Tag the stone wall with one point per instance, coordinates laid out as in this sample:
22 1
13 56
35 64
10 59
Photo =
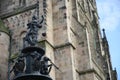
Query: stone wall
4 52
65 60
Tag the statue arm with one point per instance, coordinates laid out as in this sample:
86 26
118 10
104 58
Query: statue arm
42 19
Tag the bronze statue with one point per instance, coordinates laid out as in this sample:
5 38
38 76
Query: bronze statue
19 66
31 37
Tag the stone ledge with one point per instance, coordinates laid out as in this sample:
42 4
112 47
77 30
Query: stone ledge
85 71
94 61
63 45
88 71
59 46
46 42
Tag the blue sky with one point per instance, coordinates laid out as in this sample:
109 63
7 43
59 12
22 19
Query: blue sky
109 13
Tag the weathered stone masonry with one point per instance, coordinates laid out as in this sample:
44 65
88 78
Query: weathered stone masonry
70 35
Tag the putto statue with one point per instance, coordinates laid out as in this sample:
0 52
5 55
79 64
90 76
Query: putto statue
31 37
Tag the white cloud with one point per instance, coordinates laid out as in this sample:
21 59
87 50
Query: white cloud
109 12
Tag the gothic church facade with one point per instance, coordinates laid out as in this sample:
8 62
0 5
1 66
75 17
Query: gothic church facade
70 36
